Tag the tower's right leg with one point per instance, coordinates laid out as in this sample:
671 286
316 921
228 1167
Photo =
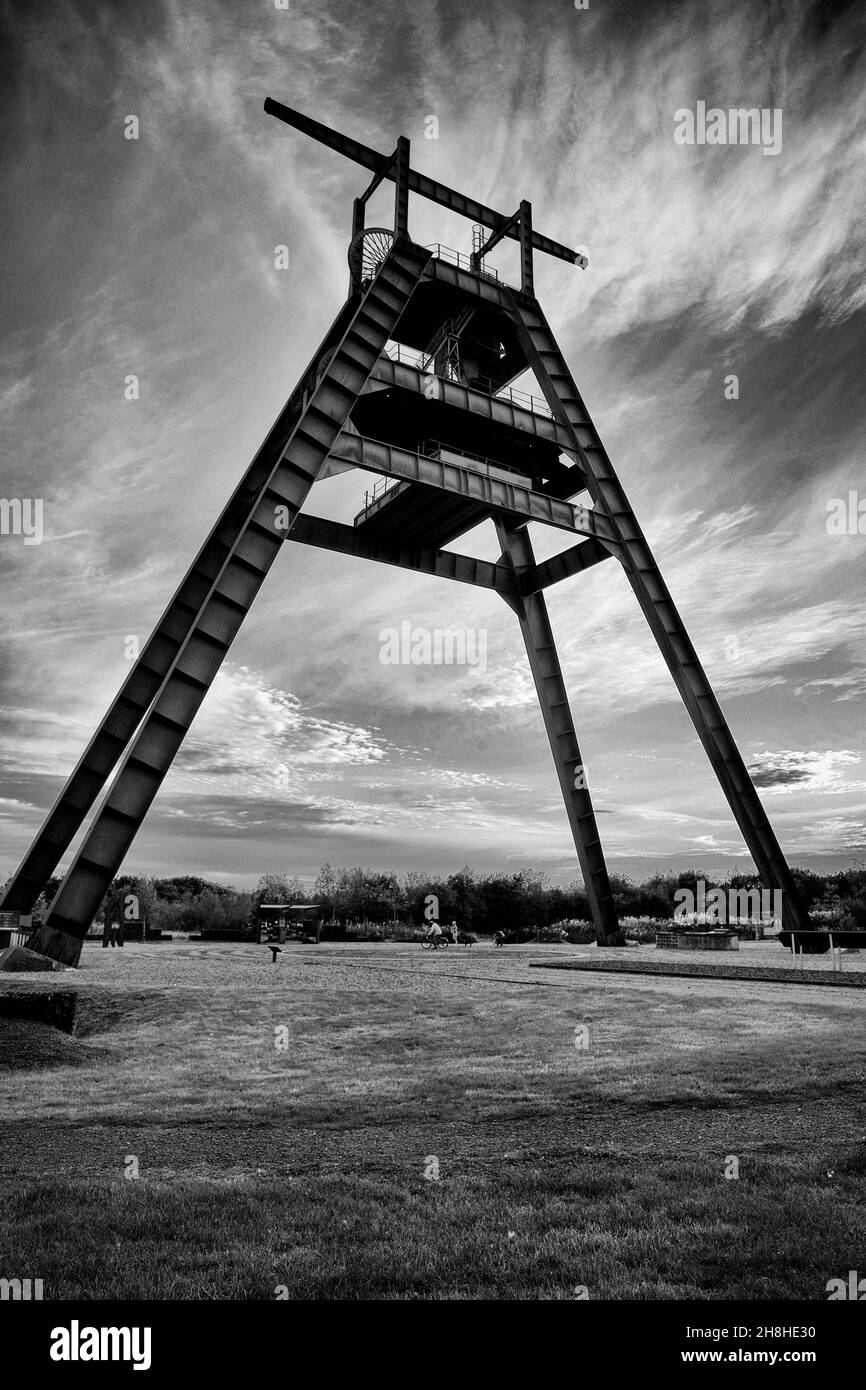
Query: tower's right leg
665 623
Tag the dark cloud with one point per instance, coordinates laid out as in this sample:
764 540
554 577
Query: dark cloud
779 777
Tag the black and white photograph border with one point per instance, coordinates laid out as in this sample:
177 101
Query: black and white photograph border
361 933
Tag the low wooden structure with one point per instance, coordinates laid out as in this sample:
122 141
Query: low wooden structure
277 921
717 939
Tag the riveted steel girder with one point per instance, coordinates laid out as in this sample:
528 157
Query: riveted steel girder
469 480
446 564
562 566
474 284
666 625
418 183
112 737
270 516
498 409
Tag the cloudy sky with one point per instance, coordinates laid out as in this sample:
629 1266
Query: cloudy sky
155 257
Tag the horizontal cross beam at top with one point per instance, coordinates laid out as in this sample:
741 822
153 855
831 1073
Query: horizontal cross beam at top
383 164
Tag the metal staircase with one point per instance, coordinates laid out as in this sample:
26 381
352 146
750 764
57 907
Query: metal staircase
240 553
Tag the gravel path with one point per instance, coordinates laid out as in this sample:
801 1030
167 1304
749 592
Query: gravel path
712 969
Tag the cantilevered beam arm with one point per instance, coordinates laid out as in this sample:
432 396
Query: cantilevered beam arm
568 562
511 224
418 183
348 540
471 480
388 166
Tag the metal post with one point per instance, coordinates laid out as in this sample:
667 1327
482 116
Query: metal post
358 222
527 275
553 699
401 193
478 239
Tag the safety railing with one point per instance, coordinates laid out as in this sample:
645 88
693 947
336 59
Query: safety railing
463 262
535 404
399 352
435 449
378 490
411 357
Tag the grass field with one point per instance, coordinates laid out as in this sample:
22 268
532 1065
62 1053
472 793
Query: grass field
288 1121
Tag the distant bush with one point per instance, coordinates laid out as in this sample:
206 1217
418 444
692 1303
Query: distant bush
405 931
365 931
385 931
555 932
577 931
644 928
839 914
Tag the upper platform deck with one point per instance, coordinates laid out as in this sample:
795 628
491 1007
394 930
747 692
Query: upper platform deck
446 377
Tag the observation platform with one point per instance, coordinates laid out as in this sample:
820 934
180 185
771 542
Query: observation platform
444 390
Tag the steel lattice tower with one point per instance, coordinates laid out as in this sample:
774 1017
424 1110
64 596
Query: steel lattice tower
434 415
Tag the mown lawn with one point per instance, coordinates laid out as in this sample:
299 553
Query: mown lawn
310 1170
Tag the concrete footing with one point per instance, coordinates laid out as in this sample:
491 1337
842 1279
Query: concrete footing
57 945
17 958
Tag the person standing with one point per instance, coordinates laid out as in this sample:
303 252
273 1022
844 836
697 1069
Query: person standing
454 932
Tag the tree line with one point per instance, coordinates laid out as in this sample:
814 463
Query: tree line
477 902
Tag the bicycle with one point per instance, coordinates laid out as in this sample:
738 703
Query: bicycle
434 943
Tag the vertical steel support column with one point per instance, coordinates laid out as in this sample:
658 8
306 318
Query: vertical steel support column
401 189
359 217
527 273
553 699
544 357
